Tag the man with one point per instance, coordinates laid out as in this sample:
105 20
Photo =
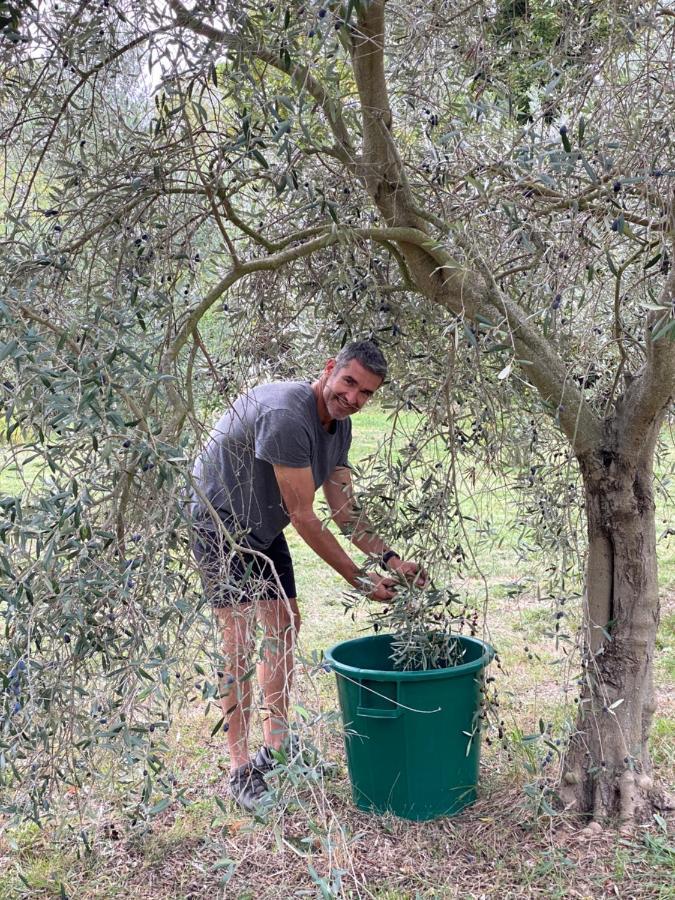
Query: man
258 472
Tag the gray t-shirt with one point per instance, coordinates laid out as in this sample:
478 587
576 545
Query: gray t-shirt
274 424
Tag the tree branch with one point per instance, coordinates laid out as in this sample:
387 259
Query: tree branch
650 394
61 333
381 164
300 75
542 366
275 261
255 265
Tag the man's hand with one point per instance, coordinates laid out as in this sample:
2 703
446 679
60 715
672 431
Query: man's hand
383 588
409 570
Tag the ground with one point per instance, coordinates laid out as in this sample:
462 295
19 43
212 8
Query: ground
497 848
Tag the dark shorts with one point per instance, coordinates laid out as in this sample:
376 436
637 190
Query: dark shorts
229 578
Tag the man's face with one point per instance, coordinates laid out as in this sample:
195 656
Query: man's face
348 389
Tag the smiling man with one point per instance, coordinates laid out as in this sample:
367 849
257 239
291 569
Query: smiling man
258 473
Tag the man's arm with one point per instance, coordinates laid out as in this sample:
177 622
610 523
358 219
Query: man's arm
339 493
297 492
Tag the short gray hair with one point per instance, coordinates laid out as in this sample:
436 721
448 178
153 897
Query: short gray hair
365 352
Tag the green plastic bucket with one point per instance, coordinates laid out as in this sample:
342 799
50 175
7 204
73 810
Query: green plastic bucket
412 738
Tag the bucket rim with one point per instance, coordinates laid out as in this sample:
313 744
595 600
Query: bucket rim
486 657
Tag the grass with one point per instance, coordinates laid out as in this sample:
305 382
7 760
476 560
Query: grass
318 844
492 850
15 477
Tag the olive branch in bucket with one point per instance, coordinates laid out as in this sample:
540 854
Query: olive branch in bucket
422 620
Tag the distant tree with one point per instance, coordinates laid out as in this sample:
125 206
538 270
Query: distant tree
485 188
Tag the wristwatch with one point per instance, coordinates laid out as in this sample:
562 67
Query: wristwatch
390 554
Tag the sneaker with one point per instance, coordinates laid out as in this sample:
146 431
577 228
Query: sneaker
266 760
248 787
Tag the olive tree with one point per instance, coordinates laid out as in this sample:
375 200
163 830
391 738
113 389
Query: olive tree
484 187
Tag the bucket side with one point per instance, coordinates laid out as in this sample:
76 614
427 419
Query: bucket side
442 749
413 748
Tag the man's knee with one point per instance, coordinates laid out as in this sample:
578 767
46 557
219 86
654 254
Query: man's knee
282 618
290 624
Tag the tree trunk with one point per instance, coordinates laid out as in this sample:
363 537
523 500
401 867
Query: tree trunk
608 771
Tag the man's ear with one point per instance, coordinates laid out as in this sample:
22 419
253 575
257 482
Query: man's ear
329 367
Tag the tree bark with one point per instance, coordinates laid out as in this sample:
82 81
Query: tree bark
608 770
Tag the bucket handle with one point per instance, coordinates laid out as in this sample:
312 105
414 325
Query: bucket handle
378 712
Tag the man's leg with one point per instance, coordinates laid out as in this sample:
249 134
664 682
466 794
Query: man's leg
281 623
237 627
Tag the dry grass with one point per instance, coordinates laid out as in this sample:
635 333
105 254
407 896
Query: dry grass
494 849
497 848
